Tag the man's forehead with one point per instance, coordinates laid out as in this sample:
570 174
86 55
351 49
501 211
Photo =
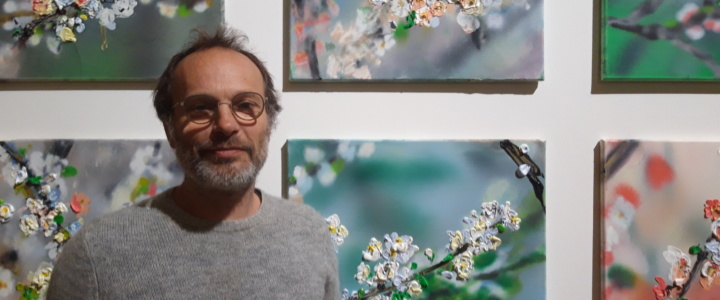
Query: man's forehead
216 61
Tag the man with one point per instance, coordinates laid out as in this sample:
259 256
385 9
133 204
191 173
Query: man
215 236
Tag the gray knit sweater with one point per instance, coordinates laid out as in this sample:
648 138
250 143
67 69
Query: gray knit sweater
154 250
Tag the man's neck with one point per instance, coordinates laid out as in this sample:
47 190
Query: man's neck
216 205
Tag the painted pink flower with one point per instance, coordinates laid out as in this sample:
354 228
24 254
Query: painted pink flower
712 209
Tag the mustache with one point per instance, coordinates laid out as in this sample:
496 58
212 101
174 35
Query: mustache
230 143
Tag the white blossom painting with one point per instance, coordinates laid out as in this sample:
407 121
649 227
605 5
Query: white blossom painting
103 40
406 40
50 188
429 219
660 220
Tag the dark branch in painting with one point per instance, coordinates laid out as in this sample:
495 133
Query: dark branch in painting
672 31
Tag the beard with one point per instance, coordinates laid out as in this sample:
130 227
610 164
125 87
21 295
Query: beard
219 173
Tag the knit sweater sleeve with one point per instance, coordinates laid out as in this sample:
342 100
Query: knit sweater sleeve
74 276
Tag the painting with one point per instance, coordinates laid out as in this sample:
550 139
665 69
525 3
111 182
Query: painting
50 188
415 40
86 40
429 219
660 220
660 40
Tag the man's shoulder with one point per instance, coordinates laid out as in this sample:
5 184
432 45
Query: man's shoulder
127 219
293 211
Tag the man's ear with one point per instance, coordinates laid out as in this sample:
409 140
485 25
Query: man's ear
169 133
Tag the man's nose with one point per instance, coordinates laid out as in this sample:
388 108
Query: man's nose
225 120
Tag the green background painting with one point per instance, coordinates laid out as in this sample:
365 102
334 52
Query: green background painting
423 189
138 49
629 56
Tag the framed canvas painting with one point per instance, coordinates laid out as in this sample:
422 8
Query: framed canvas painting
429 219
660 220
87 40
660 40
50 188
405 40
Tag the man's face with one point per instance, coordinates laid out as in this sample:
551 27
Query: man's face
227 153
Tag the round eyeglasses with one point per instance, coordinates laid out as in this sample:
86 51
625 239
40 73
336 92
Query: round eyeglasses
201 109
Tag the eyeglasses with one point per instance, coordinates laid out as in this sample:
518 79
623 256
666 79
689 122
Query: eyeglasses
201 109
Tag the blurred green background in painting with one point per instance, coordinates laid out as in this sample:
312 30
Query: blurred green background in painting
628 56
138 49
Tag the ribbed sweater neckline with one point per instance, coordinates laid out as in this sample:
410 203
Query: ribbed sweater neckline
166 205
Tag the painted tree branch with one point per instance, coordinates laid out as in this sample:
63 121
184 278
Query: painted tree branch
655 32
428 270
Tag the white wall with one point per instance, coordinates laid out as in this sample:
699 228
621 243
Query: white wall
561 111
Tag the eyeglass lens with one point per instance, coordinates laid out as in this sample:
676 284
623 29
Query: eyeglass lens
202 108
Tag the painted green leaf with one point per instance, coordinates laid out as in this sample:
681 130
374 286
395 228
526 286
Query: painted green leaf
69 171
338 165
292 180
59 219
183 10
448 258
621 276
671 23
35 180
485 259
511 284
423 282
361 293
413 266
22 151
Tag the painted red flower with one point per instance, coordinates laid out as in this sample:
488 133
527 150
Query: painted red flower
660 289
712 209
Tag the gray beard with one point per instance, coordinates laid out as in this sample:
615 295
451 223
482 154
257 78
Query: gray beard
217 174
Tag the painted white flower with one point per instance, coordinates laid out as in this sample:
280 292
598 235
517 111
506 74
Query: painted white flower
363 271
6 212
338 232
106 18
399 248
373 252
463 266
680 265
60 208
468 23
347 151
622 212
7 282
509 217
35 206
303 181
20 175
414 288
456 240
384 272
29 224
167 10
714 248
377 2
399 280
201 7
326 175
314 155
400 8
366 150
429 254
715 228
41 277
